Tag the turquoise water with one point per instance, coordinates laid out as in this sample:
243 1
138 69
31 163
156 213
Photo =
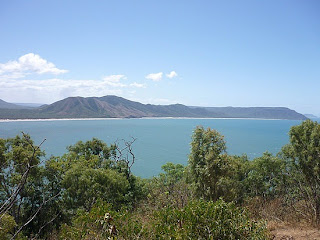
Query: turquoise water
158 140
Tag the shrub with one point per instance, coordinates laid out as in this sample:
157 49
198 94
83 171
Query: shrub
102 222
207 220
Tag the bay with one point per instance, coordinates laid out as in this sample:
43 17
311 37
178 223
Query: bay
158 140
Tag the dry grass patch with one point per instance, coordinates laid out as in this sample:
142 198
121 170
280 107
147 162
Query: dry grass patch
285 231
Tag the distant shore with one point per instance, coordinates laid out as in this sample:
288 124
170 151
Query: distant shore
86 119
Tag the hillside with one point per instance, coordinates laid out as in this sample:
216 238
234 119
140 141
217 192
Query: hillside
117 107
257 112
310 115
7 105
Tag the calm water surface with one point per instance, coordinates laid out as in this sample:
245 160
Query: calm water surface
158 140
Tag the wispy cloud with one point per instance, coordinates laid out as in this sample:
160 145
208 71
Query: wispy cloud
138 85
50 90
27 64
172 74
114 80
155 76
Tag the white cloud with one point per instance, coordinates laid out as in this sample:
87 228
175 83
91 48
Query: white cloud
114 80
27 64
138 85
155 76
172 74
15 88
50 90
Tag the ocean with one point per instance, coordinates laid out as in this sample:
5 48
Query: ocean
157 140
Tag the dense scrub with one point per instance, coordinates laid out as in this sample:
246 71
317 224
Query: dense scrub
91 193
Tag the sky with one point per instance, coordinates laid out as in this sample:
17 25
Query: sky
199 53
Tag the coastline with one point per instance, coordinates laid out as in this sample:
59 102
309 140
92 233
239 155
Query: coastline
159 118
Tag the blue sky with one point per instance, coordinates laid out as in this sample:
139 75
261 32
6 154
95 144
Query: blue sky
205 53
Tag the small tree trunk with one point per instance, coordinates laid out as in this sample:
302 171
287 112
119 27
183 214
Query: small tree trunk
317 212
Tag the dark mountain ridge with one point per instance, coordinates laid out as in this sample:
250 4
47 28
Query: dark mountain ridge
118 107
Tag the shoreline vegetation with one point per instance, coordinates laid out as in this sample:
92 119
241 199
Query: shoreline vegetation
91 193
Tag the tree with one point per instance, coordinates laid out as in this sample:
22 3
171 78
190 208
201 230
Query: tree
173 173
304 153
208 162
94 148
93 170
23 191
19 162
265 176
84 186
169 188
214 173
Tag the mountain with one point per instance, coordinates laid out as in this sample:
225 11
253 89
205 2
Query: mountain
30 105
7 105
257 112
117 107
310 115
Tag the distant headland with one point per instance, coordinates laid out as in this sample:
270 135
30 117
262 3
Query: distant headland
118 107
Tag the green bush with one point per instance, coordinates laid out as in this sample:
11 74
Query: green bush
102 222
207 220
266 177
7 225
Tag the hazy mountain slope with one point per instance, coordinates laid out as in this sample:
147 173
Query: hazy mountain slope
308 115
30 105
257 112
7 105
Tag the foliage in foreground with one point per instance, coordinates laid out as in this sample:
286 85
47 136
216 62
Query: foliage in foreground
207 220
199 219
303 154
91 193
103 222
